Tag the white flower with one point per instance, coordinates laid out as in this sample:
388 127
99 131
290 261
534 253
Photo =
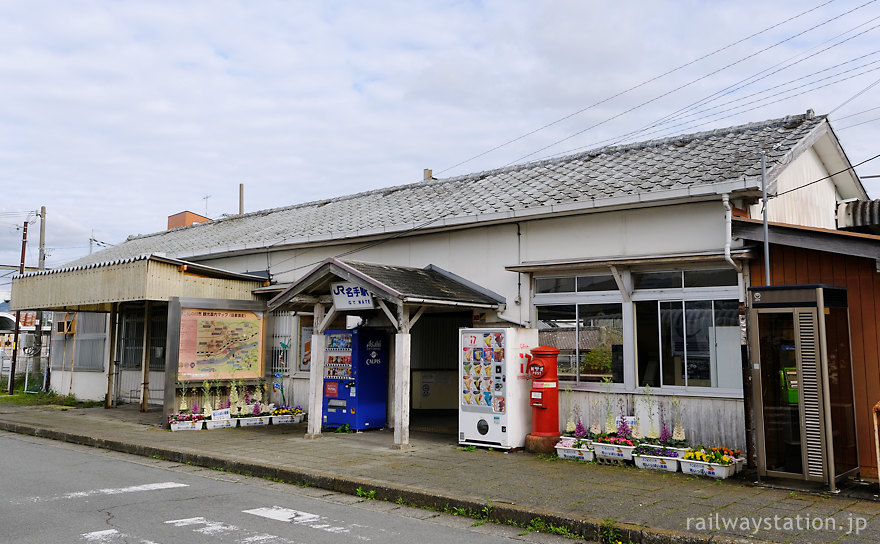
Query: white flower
637 431
595 428
678 433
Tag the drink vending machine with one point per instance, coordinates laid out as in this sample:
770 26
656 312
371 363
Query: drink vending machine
494 383
355 378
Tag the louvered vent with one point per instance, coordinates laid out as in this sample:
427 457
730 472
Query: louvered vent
810 391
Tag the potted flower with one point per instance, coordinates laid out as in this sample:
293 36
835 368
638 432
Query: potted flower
656 458
254 416
185 421
708 463
287 414
220 419
574 448
617 446
737 455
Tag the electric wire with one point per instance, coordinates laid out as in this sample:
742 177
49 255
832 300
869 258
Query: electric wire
644 130
858 124
852 167
688 84
637 86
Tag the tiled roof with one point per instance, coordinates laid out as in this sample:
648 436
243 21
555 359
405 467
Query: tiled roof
652 170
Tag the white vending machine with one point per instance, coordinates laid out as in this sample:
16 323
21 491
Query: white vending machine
494 382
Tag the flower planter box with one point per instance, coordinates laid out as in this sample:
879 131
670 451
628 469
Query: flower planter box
578 454
740 463
281 420
614 452
220 423
186 426
703 468
253 421
656 463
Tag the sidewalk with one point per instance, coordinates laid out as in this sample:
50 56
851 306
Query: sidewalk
646 506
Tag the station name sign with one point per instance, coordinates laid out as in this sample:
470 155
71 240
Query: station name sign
348 296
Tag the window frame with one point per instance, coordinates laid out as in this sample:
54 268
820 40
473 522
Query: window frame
630 360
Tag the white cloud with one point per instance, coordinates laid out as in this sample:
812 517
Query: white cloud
117 114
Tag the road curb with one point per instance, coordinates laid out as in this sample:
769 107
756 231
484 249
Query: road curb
501 513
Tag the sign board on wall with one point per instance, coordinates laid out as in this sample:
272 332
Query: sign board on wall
348 296
220 345
305 349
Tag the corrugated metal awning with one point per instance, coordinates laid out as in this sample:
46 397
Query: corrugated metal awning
95 287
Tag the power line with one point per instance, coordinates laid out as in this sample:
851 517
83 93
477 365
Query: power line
777 195
859 124
634 87
688 84
853 97
857 113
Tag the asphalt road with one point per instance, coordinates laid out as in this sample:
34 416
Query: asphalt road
52 492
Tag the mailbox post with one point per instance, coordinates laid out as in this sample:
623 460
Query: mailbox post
544 399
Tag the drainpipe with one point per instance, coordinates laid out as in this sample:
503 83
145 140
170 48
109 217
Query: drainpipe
728 231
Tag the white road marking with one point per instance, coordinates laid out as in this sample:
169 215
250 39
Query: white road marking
208 527
110 535
284 514
308 519
107 491
100 536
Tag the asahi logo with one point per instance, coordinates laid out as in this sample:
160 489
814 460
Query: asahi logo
374 344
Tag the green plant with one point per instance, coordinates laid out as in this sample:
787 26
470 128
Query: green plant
400 500
364 494
343 429
468 448
608 532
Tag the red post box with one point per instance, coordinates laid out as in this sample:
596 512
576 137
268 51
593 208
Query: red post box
544 394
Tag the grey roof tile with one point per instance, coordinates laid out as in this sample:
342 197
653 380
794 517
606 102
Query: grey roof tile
663 166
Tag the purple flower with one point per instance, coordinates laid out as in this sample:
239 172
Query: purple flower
195 408
579 430
257 409
665 433
623 430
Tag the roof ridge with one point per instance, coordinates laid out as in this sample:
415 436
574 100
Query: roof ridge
786 121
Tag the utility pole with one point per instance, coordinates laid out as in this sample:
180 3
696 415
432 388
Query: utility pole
38 356
17 314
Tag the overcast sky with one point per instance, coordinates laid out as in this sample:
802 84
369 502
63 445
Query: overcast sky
115 115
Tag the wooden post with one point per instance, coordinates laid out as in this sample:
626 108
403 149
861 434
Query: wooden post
316 375
111 365
145 357
402 344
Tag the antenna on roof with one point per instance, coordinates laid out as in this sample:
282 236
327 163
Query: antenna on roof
205 198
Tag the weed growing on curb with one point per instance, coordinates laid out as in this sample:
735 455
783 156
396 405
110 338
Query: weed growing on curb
607 532
364 494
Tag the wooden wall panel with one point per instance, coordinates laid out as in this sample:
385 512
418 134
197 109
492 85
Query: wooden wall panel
791 266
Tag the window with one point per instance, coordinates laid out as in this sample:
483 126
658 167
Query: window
279 357
554 285
90 338
596 283
589 338
688 343
680 330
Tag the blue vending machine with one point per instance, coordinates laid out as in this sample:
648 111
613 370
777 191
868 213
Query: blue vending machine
356 378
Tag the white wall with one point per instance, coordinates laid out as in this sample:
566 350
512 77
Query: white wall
85 386
811 206
480 254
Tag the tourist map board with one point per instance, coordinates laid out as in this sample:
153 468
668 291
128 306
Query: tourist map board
220 345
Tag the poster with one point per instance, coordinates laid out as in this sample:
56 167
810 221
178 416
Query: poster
220 345
305 349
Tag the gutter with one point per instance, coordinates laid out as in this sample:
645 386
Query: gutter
728 232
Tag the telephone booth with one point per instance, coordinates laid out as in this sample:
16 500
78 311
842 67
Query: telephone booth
803 383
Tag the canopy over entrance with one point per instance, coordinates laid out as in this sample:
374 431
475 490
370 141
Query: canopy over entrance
96 287
403 294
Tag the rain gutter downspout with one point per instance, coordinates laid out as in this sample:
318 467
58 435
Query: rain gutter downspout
728 232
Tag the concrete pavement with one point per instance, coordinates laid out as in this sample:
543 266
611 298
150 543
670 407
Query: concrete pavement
643 506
